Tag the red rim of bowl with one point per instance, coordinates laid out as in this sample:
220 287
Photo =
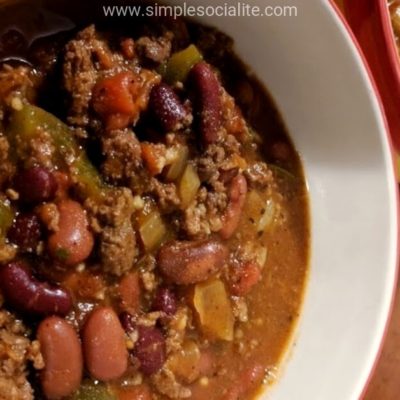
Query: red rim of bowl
390 138
371 23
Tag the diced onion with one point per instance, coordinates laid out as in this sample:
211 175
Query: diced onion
188 186
152 230
268 216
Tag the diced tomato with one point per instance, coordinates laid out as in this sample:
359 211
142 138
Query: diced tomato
113 99
85 285
245 278
140 392
112 95
153 157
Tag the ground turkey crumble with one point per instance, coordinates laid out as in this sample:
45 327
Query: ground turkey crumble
16 350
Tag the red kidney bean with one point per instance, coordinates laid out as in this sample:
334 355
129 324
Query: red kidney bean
237 199
24 292
129 292
73 242
128 322
150 349
208 101
248 380
185 263
104 345
167 107
165 301
62 355
26 232
35 185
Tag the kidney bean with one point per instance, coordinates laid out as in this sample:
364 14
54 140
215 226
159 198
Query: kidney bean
26 232
104 345
150 349
35 185
129 292
62 355
208 101
73 242
167 107
24 292
185 263
237 199
249 379
165 301
128 322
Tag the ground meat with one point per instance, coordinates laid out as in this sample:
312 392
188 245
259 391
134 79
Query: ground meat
112 221
176 330
39 150
123 155
218 158
7 169
118 248
85 58
258 175
233 120
166 195
16 350
204 216
156 50
116 209
17 83
165 382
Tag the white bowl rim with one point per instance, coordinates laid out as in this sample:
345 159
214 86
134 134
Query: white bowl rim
374 86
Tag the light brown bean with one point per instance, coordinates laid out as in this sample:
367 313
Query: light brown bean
73 242
237 199
104 346
129 292
62 354
185 263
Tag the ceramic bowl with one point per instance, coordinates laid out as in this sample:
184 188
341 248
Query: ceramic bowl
371 23
316 74
314 70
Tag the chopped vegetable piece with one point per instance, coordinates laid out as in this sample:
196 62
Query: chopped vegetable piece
6 218
27 123
214 309
261 256
188 186
152 230
254 206
267 216
177 168
154 157
185 362
180 64
90 391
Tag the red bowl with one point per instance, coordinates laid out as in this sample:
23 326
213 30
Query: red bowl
371 24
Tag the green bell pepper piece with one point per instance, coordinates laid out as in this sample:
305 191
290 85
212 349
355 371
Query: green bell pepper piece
6 219
89 391
179 65
27 123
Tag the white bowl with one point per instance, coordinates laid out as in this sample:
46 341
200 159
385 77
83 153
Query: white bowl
318 79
